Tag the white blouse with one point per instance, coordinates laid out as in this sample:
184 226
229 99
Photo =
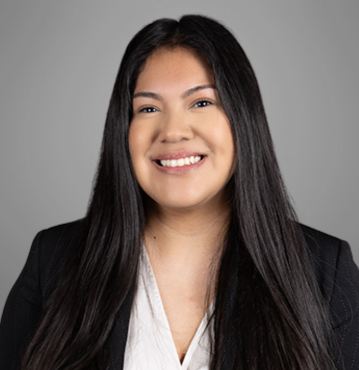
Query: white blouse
149 342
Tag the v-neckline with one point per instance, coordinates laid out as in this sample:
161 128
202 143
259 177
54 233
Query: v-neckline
160 313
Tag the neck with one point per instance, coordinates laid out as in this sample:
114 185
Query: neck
183 237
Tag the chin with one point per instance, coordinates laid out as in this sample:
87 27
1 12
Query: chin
185 203
179 204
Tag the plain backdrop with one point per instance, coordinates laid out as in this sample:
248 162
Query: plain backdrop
58 64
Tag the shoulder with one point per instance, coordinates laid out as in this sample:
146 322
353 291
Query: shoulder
336 273
60 233
27 299
332 261
324 251
338 280
56 240
50 249
321 245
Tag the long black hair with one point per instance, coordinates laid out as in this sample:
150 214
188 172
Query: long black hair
268 309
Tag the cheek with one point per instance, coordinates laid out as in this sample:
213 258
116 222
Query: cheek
222 138
139 140
142 134
229 146
225 148
136 143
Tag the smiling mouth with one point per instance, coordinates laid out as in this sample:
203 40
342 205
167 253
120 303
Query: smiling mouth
180 162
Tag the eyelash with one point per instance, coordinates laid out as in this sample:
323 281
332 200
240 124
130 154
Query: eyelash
207 103
198 104
148 110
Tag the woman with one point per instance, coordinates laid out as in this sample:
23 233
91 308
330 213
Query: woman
190 255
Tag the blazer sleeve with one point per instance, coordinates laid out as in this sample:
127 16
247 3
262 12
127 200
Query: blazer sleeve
22 311
344 307
26 302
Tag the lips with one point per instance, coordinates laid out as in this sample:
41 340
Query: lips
186 161
178 159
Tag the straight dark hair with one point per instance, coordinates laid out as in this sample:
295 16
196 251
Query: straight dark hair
268 309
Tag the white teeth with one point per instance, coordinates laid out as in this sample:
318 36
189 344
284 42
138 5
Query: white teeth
181 161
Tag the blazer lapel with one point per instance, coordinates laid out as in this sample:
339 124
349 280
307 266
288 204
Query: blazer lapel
118 336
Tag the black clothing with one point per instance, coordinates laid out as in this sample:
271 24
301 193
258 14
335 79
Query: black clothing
336 273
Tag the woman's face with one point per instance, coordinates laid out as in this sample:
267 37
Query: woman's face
180 139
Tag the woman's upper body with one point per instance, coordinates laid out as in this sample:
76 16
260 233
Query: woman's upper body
178 118
336 274
188 169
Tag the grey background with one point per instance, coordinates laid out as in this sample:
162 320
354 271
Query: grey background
58 64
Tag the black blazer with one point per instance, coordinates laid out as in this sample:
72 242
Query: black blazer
336 273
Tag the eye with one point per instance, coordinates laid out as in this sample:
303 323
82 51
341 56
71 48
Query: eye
148 110
202 103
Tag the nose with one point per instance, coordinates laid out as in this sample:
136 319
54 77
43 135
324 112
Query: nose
175 127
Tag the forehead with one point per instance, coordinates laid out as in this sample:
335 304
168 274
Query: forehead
178 67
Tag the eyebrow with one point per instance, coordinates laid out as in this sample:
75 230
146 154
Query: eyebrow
146 94
197 88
